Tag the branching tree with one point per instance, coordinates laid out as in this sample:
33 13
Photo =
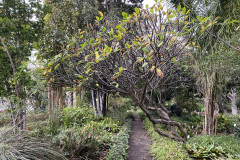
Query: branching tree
138 56
18 33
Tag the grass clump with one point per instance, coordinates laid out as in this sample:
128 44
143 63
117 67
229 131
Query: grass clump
23 147
164 148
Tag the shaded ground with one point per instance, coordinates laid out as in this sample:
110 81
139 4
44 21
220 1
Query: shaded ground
139 142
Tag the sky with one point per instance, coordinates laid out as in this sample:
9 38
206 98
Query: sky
152 2
149 2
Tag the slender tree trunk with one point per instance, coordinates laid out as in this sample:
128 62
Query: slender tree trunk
16 84
98 103
232 97
94 102
104 104
107 101
49 101
70 100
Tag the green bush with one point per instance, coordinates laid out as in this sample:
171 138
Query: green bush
213 147
76 115
162 147
76 142
225 123
141 115
191 122
120 145
129 114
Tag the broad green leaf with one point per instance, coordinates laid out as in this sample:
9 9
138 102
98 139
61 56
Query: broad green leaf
104 29
145 49
56 67
98 19
184 10
170 16
137 10
91 40
199 19
80 76
120 69
178 8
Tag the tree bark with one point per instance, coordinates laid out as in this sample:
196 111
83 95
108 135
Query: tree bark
94 102
209 126
232 97
49 101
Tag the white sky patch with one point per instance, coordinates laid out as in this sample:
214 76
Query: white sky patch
165 3
149 2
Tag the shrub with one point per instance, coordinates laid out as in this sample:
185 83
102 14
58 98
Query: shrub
162 147
141 115
76 115
213 147
225 123
129 114
76 142
120 145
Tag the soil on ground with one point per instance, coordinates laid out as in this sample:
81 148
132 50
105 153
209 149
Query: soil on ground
139 142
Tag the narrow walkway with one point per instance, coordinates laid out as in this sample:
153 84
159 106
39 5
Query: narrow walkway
139 142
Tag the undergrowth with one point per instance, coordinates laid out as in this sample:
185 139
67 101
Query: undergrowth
164 148
213 147
120 145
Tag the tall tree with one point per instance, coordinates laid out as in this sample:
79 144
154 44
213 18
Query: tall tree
138 56
215 60
20 28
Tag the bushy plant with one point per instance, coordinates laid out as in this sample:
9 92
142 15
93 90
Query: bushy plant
141 115
213 147
76 115
162 147
76 142
225 123
129 114
120 145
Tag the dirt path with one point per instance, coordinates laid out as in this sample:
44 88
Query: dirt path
139 142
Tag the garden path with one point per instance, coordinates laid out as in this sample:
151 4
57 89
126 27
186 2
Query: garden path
139 142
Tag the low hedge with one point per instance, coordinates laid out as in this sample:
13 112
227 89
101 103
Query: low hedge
118 149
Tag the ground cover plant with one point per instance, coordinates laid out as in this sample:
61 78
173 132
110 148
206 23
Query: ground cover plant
213 147
164 148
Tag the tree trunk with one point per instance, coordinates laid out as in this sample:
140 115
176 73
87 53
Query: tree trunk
94 102
232 97
104 104
210 116
16 84
98 103
209 126
49 101
70 98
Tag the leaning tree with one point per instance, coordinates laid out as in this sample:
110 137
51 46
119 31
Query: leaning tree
139 56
